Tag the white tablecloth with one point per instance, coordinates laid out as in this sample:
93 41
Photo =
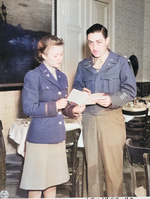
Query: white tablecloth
127 118
18 132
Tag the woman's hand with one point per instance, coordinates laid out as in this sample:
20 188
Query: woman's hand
105 100
61 103
78 110
86 90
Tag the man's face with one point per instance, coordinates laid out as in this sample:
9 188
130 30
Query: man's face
97 44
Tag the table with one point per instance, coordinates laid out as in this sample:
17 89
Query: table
138 106
18 132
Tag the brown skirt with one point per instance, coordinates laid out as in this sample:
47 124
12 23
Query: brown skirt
45 166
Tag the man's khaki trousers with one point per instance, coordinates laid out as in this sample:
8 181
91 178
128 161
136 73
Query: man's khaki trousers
104 139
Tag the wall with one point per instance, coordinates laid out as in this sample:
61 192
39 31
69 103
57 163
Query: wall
129 29
146 45
11 108
32 15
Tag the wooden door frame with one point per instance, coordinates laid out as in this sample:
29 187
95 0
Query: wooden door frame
111 32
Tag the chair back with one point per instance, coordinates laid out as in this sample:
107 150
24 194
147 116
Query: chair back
135 153
2 159
136 128
135 156
146 158
136 113
2 143
72 138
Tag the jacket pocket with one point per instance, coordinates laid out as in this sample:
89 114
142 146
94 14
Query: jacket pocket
89 82
46 87
110 82
47 93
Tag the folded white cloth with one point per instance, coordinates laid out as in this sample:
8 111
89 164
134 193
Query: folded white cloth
140 191
127 118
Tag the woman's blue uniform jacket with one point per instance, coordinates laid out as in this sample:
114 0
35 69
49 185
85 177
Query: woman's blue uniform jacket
114 78
40 93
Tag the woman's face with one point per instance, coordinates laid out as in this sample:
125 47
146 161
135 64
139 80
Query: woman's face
53 56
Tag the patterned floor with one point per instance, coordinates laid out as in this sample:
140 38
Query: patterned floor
16 192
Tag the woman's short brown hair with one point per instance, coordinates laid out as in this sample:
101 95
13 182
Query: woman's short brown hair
44 43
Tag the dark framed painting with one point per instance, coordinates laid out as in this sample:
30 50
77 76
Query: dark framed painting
22 24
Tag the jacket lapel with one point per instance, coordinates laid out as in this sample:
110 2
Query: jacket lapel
59 78
110 62
47 74
89 65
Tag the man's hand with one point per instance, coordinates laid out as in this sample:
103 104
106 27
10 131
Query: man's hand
105 100
86 90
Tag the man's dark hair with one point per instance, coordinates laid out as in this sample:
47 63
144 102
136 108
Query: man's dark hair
97 28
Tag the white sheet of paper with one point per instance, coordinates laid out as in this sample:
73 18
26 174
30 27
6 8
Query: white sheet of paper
91 99
80 97
77 96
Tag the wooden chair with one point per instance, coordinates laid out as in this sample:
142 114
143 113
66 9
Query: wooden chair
135 157
11 165
72 185
136 129
146 158
2 160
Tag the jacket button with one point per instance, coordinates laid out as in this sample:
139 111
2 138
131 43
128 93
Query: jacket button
59 112
47 87
59 93
60 122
